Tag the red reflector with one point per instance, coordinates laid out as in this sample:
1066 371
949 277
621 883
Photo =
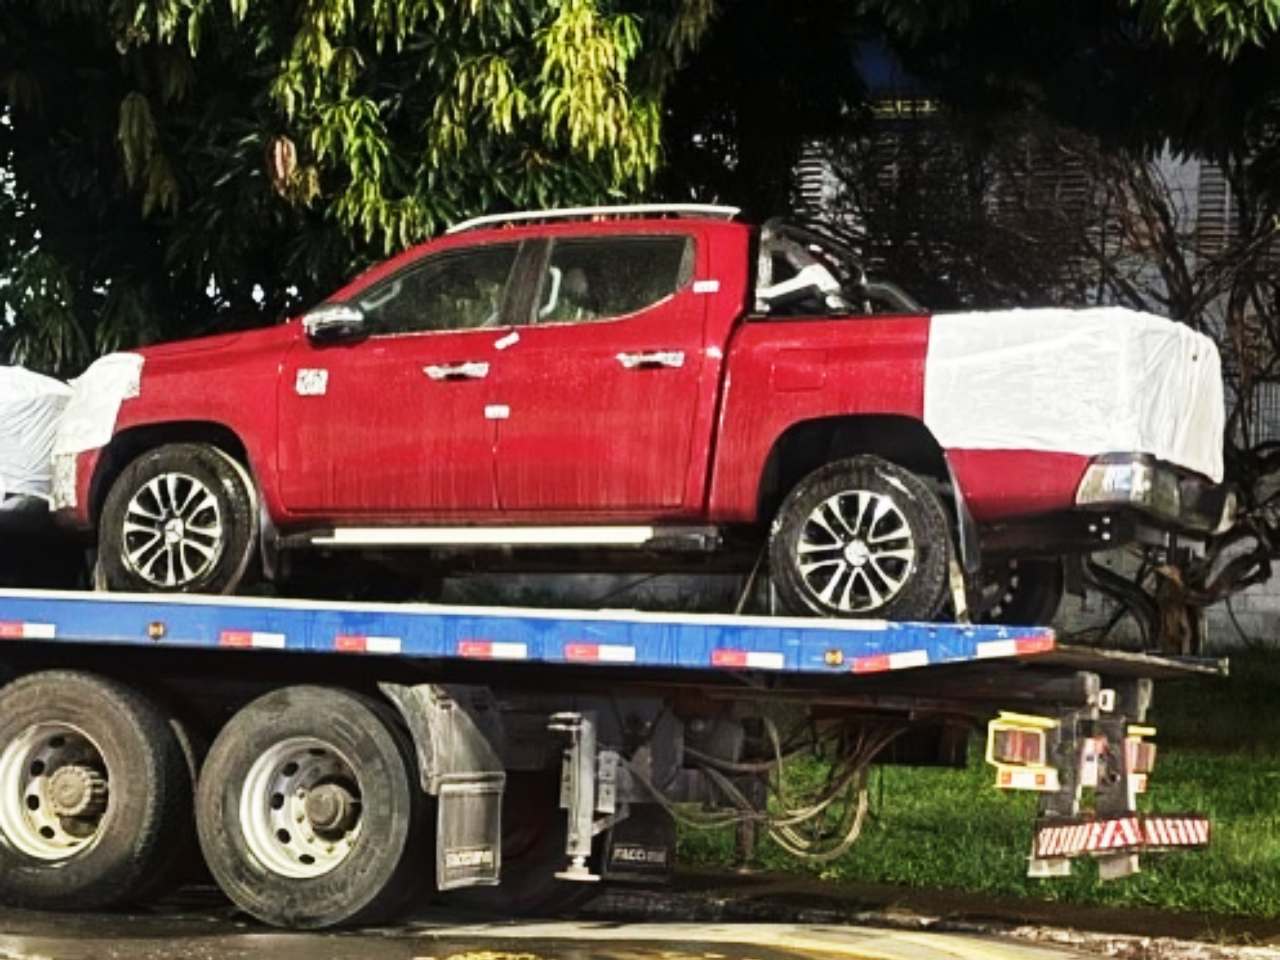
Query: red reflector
480 649
1141 756
235 638
582 651
1018 746
10 631
1033 644
348 643
728 658
873 664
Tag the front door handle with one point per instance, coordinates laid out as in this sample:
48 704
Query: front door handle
471 370
656 358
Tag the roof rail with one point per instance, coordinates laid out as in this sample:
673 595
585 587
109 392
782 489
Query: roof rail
587 213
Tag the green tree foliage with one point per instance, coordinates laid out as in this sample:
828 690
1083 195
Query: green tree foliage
172 167
182 165
1220 27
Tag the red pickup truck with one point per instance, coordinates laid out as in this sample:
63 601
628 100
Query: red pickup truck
661 386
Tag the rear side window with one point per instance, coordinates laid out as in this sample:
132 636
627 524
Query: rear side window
602 277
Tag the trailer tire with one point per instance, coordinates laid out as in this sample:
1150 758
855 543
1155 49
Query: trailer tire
183 491
1022 591
125 766
878 541
261 776
533 842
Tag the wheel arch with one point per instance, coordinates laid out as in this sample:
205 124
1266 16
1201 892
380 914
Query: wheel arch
129 444
904 440
809 444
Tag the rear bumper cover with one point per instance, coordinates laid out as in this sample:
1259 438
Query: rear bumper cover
1169 496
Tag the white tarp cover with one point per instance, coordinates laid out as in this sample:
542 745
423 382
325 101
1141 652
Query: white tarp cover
30 406
90 418
1089 381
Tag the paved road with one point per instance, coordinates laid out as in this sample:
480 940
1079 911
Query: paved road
186 933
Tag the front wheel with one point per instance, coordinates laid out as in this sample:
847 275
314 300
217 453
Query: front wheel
861 537
179 519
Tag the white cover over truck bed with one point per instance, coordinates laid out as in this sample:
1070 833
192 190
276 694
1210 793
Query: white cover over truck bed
1092 381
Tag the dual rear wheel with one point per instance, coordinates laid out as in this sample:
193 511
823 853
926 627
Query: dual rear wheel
308 808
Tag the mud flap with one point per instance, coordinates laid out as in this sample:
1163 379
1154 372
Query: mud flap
642 848
469 832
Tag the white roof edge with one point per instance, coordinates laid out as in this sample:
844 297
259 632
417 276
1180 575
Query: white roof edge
568 213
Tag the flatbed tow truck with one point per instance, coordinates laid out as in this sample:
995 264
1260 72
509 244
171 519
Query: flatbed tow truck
336 762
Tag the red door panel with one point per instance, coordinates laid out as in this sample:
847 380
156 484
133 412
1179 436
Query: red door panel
603 414
385 438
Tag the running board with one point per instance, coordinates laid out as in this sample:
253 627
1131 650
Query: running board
633 537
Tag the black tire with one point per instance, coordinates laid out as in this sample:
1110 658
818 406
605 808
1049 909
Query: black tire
136 561
390 857
916 513
1021 591
533 840
143 837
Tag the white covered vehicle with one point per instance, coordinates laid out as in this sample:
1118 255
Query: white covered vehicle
31 406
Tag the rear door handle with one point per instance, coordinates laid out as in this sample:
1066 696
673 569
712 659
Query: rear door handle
471 370
656 358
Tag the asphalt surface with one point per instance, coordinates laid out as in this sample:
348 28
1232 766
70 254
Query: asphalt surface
199 932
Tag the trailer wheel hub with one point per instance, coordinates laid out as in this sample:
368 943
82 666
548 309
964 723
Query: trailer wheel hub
53 791
76 791
300 808
331 808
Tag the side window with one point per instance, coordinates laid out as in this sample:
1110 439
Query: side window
456 290
603 277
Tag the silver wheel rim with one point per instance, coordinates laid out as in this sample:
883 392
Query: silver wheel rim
855 552
54 791
173 532
278 808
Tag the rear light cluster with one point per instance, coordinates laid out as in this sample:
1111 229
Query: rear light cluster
1017 746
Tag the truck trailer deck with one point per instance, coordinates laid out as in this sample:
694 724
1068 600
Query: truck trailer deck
337 760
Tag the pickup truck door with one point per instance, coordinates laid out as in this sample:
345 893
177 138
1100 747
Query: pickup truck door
393 425
604 396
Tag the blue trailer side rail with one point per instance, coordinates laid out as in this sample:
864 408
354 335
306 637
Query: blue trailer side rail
616 638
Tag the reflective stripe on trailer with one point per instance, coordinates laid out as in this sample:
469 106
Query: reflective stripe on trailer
1015 646
1109 835
878 663
252 638
748 659
15 630
356 643
490 650
599 653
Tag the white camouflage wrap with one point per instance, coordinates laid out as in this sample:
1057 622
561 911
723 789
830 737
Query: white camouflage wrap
1092 381
89 420
30 406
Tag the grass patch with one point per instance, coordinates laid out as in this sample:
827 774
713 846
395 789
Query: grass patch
1220 754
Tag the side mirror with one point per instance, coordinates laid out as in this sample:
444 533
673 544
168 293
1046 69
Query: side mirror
333 321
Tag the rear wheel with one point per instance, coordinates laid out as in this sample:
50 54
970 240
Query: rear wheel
861 537
179 519
95 794
1021 591
310 813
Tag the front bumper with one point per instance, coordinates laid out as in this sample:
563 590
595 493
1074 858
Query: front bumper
1172 497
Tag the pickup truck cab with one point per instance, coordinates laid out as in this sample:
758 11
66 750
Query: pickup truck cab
658 386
